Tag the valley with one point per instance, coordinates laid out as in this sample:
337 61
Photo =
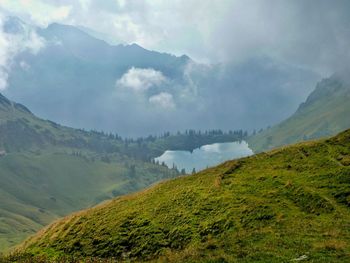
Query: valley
48 170
261 208
174 131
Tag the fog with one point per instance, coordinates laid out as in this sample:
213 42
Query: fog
250 65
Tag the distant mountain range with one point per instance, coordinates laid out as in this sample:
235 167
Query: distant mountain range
71 77
279 206
325 112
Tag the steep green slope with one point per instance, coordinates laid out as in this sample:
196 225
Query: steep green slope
48 171
325 113
35 189
279 206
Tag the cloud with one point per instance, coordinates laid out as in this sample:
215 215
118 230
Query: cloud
299 32
39 12
15 37
4 57
24 65
3 79
33 42
265 51
139 80
305 33
164 100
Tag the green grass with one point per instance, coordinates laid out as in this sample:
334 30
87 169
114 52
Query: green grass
271 207
325 113
37 189
50 170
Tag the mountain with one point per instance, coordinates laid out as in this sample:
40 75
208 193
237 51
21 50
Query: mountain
48 171
71 77
325 112
289 204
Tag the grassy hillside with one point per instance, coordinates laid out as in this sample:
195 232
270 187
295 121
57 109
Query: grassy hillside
325 112
48 171
37 188
281 206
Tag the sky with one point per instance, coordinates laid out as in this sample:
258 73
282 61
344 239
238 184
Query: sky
258 60
312 34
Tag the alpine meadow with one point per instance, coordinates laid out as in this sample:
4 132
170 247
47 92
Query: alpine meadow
174 131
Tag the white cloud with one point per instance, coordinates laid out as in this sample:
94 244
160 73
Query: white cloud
12 44
4 56
39 12
3 79
24 65
164 100
138 79
179 27
299 32
296 32
33 42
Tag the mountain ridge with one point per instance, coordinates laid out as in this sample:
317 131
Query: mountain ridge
324 113
72 78
49 170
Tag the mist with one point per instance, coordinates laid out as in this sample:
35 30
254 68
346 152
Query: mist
247 65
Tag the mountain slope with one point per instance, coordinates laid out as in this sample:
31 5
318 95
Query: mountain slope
279 206
48 171
74 79
325 112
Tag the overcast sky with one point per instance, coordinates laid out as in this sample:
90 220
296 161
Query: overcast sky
310 33
270 54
